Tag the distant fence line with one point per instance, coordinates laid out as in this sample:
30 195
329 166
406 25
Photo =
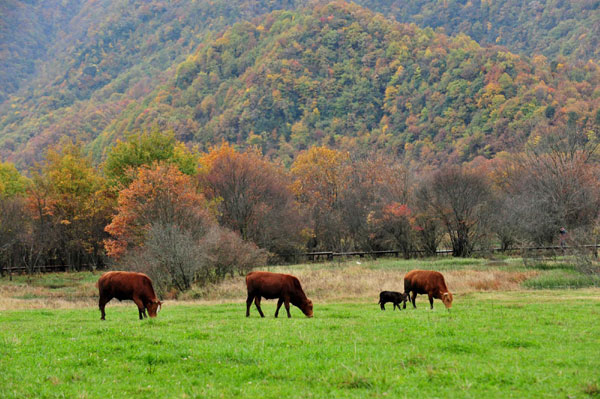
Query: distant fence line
43 269
329 255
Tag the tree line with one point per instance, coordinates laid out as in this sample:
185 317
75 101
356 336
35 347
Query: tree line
188 217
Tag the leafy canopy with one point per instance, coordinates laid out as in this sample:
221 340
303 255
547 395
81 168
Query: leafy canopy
145 149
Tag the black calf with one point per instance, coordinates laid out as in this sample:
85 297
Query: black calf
392 296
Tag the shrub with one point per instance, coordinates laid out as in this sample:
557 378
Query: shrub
170 256
175 260
227 253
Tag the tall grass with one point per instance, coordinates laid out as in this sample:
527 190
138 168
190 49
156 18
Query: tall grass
561 279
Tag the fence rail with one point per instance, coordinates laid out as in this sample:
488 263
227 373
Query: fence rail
42 269
329 255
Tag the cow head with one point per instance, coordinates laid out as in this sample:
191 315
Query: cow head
405 297
447 299
153 308
307 308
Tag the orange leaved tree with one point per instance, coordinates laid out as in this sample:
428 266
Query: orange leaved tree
160 194
320 177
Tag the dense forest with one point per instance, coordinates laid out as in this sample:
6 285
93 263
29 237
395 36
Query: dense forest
192 217
548 27
76 76
342 76
338 75
195 139
27 30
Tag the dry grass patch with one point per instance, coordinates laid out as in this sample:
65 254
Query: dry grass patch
43 303
47 291
332 282
582 295
356 282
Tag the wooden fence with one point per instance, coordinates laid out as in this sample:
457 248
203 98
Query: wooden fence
552 250
330 255
42 269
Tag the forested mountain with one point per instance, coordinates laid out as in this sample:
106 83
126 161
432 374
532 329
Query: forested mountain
97 56
549 27
27 29
342 76
337 75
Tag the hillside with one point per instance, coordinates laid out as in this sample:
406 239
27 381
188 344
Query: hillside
27 30
73 73
337 75
553 28
343 76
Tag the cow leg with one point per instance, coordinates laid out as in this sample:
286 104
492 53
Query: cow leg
382 305
101 304
287 306
279 303
396 305
431 300
257 303
248 304
140 305
414 296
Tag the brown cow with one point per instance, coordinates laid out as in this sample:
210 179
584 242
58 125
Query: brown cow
128 285
285 287
427 282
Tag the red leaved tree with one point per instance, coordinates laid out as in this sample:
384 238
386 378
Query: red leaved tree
161 195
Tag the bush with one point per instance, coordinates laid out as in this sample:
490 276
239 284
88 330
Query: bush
170 256
227 253
175 260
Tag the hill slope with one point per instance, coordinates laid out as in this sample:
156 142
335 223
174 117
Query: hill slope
338 75
341 75
27 30
100 56
549 27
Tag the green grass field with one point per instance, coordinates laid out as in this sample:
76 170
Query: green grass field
529 344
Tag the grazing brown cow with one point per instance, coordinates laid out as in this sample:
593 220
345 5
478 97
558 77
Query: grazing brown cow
128 285
427 282
285 287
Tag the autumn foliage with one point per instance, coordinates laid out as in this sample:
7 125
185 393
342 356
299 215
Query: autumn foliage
160 194
237 209
253 197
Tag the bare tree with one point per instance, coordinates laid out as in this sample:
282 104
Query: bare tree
254 199
553 184
175 259
170 256
13 230
457 197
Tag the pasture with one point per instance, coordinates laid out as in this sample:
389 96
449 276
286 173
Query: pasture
498 341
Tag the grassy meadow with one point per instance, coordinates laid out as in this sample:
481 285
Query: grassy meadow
502 339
